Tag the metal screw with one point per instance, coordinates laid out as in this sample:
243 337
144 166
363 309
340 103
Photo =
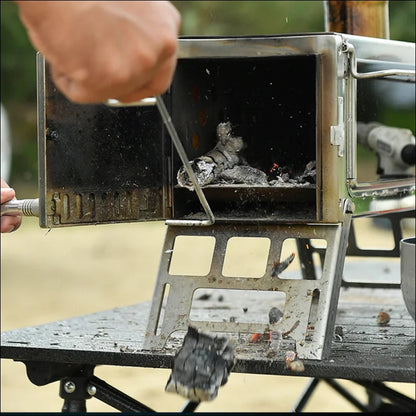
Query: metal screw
91 390
69 387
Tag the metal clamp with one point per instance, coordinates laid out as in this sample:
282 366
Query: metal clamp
182 154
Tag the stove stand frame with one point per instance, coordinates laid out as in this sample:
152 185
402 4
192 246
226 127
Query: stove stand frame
301 295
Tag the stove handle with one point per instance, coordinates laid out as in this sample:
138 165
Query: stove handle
349 49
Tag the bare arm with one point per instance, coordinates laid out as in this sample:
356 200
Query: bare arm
105 49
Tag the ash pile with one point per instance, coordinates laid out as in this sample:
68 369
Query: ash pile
226 165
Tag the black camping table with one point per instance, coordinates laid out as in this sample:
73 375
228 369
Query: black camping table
363 350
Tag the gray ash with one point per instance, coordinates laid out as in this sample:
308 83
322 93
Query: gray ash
284 175
225 165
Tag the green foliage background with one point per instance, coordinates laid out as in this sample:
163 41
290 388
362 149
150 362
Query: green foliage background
209 18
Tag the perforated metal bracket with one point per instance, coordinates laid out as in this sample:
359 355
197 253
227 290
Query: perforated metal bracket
307 301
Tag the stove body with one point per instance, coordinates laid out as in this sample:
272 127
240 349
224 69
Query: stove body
294 100
291 99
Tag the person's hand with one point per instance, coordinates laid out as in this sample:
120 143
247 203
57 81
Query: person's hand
9 223
105 49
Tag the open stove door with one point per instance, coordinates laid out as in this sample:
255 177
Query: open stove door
99 164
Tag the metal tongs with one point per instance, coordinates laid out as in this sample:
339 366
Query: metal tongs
30 207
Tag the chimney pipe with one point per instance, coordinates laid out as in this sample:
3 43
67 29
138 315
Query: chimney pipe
363 18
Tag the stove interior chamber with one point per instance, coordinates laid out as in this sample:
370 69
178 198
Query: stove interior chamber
271 102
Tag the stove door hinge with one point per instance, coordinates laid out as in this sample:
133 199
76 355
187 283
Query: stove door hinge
337 132
56 208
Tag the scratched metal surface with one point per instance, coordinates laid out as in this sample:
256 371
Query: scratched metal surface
366 351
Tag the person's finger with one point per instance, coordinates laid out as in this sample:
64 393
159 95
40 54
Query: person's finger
158 85
74 90
10 223
7 194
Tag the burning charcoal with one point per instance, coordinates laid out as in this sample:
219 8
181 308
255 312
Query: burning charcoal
383 318
260 337
283 175
292 362
290 356
201 366
275 314
297 366
279 267
225 155
255 337
280 174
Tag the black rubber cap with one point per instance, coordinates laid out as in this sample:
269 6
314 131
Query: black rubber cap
408 154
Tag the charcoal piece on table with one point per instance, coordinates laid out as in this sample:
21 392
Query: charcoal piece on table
275 314
201 366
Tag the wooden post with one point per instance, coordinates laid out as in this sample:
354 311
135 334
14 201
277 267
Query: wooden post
363 18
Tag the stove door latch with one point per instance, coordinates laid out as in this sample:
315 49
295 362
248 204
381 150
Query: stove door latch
337 132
